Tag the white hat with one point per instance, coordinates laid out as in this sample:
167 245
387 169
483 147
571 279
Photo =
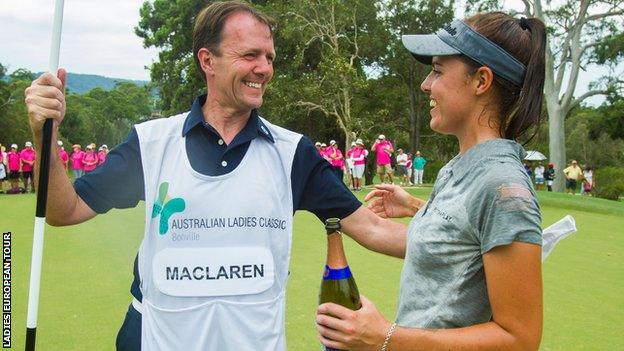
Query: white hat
323 145
353 143
28 144
90 147
104 146
332 142
359 142
60 143
381 136
13 146
318 143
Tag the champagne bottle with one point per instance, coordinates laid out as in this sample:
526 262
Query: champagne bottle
338 285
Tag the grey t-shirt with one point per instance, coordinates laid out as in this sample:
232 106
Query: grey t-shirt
480 200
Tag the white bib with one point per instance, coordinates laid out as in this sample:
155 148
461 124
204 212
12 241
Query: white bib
214 259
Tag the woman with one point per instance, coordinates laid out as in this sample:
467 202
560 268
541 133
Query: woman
472 273
89 160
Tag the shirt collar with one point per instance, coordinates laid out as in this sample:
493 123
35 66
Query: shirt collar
492 149
252 129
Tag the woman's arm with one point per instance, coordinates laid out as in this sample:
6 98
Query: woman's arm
514 283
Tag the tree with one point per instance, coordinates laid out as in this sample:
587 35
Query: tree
168 26
332 42
413 17
580 33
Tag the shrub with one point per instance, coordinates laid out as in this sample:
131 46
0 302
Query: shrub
609 183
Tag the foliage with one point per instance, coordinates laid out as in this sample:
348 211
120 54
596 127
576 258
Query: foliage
609 183
168 26
100 116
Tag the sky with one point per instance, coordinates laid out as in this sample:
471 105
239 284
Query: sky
98 38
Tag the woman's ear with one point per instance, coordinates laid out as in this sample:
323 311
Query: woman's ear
484 78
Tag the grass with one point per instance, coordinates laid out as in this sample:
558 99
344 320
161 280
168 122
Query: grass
87 274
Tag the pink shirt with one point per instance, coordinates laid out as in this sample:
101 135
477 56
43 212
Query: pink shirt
336 157
14 161
27 156
325 154
383 157
64 157
359 156
101 157
77 159
89 161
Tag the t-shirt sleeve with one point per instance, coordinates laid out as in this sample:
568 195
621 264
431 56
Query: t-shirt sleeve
315 186
118 182
508 211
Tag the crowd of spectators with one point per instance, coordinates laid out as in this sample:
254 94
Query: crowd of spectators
16 166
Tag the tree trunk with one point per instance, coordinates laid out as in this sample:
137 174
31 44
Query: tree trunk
556 134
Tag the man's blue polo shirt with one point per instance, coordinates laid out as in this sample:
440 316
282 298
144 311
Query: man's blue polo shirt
118 183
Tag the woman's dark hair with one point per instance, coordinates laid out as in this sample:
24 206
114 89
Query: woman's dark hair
525 39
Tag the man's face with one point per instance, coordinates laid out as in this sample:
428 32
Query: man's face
244 67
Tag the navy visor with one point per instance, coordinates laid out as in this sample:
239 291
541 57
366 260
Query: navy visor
458 38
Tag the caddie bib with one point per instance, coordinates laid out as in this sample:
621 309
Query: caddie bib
214 258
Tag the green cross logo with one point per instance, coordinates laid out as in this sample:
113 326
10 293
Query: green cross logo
165 207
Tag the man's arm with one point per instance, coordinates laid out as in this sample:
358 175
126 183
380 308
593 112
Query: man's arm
376 233
45 98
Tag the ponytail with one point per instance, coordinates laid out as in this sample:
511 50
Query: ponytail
527 110
525 39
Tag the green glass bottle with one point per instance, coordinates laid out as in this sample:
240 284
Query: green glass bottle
338 285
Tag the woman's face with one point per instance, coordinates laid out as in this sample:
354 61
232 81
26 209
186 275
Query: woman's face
452 100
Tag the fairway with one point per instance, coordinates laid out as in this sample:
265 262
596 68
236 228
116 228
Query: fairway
87 271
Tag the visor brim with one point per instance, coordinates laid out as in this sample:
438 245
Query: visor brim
424 46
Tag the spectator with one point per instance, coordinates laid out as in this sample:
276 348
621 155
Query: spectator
573 174
419 168
76 158
324 152
317 145
359 163
528 169
102 152
539 176
588 180
4 174
63 154
409 166
383 152
27 159
401 160
549 175
90 159
13 161
335 158
350 165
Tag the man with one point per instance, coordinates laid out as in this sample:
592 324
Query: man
27 160
573 173
401 160
383 152
549 176
212 268
419 168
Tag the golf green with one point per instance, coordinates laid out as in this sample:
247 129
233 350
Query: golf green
87 271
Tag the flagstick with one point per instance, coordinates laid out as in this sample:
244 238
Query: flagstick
42 193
